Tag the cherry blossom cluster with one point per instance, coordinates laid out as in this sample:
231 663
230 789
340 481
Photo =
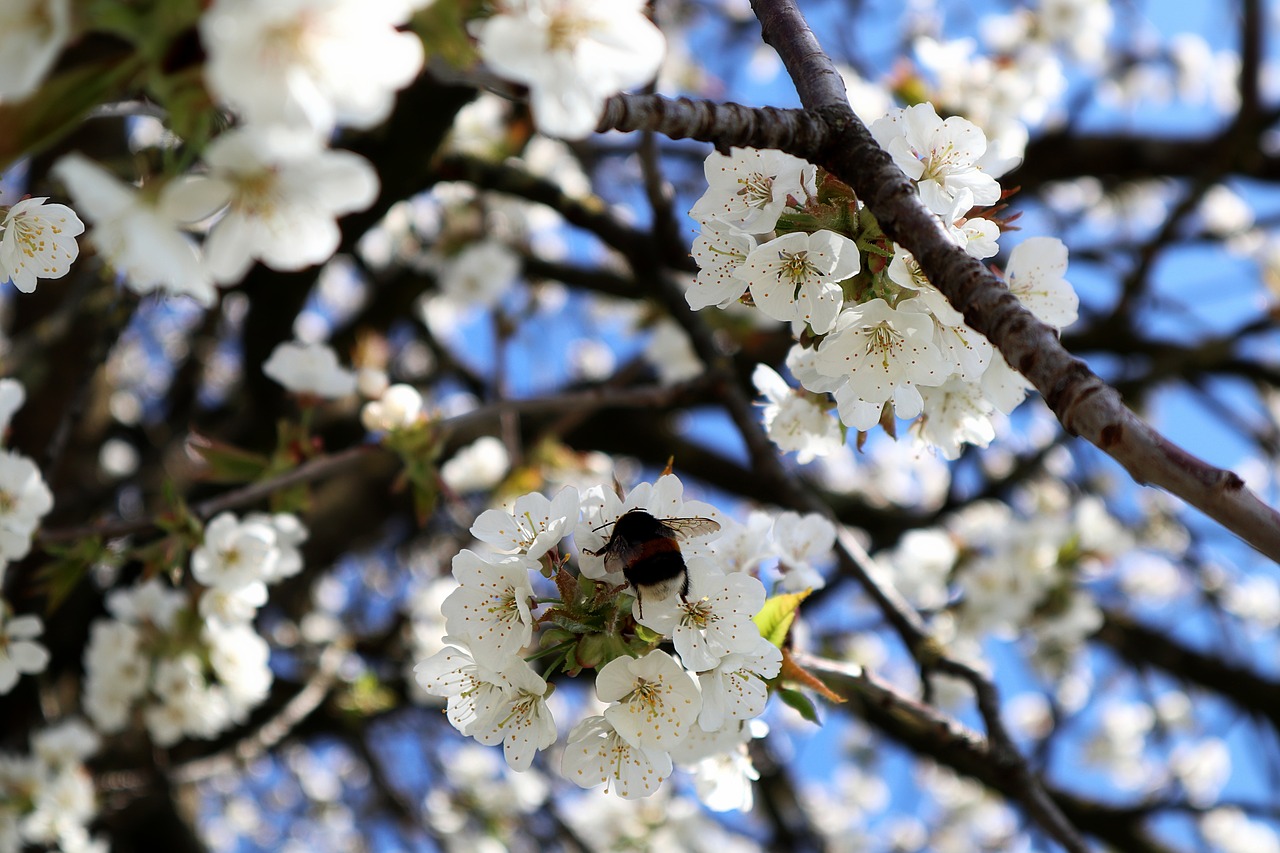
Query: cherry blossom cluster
47 798
196 668
689 706
876 335
270 189
991 572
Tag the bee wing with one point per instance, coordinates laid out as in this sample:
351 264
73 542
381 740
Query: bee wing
683 528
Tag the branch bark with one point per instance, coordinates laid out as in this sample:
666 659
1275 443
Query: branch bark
1085 405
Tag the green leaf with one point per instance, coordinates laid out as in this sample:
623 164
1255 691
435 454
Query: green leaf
59 578
775 618
801 703
227 463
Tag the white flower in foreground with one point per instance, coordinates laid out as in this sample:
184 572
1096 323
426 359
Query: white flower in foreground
19 652
490 607
750 188
795 421
38 240
597 754
905 271
735 689
399 407
12 396
1035 275
720 251
310 369
714 621
32 35
573 55
313 63
796 278
522 722
801 541
282 190
655 700
534 525
24 500
474 693
884 352
941 156
139 235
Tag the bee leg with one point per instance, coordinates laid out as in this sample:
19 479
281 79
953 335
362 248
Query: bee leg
684 588
639 602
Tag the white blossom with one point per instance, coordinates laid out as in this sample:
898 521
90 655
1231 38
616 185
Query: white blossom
955 413
534 526
20 654
38 240
654 700
24 500
282 191
796 278
941 156
12 396
596 753
720 250
671 353
572 54
153 602
309 368
139 234
398 407
742 547
481 274
750 188
476 467
801 541
310 63
239 657
795 421
32 35
522 723
885 353
1035 275
474 693
735 688
237 553
714 620
490 607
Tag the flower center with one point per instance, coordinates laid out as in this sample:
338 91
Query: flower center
797 267
884 339
756 189
698 614
565 31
